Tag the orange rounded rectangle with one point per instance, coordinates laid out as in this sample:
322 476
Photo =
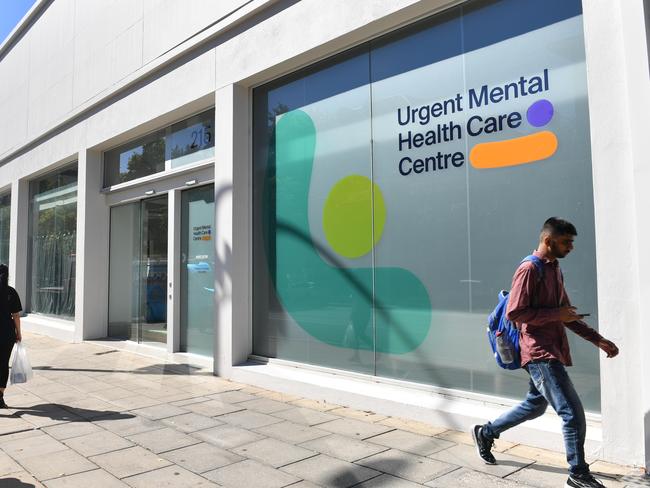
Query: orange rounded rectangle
512 152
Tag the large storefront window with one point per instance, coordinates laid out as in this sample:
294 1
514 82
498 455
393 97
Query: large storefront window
398 186
183 143
5 222
53 242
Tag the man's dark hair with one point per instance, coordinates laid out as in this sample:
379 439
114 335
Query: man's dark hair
556 226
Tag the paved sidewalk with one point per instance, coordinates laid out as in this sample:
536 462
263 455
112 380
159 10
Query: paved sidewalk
98 417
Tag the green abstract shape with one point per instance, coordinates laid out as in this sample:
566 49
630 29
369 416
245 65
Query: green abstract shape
311 290
348 216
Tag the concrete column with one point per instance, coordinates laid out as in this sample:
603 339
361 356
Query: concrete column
174 271
617 75
232 338
638 100
19 239
93 220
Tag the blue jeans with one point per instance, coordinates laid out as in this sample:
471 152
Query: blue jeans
550 384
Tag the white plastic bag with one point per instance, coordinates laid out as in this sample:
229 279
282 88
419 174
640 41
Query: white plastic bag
21 370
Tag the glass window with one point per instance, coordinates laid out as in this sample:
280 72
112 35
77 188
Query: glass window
5 225
183 143
322 311
53 239
139 158
192 140
420 188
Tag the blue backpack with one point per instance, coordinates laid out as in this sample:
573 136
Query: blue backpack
498 322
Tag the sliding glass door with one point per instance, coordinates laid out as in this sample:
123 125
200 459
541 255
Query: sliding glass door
138 271
197 270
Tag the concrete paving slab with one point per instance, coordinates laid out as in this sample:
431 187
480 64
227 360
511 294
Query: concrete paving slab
91 408
412 426
330 472
92 385
363 415
273 452
22 434
65 397
291 432
320 405
135 402
37 445
96 443
21 479
190 400
414 468
277 395
202 457
170 477
466 478
233 396
160 391
540 476
8 465
129 462
71 429
39 419
388 481
97 478
191 422
304 484
421 445
265 405
56 464
344 448
208 389
162 440
127 424
227 436
306 416
158 412
10 424
354 428
250 473
248 419
113 393
213 408
466 456
540 456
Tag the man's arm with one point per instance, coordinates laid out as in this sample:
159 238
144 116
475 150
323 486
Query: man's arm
520 304
586 332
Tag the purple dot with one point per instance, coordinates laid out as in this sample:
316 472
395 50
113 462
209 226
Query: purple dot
540 113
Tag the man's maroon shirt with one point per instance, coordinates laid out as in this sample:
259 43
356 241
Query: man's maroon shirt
534 305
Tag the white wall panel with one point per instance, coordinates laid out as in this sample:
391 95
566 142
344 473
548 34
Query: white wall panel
169 22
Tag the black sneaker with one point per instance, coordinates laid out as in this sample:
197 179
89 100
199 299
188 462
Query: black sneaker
483 445
582 481
3 404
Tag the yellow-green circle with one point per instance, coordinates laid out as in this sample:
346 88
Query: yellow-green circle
348 216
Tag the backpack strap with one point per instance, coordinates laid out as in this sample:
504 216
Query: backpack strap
539 265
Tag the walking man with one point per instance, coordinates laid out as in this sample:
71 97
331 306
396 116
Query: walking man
541 309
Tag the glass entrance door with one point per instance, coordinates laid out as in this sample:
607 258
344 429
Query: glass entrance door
138 271
197 270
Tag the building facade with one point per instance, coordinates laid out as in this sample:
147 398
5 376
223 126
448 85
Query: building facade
326 197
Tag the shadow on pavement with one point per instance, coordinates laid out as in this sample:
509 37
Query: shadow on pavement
165 369
14 483
67 413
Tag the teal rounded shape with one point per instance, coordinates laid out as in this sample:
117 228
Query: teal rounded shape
305 282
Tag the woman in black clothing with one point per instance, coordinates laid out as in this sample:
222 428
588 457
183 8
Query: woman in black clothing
9 327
